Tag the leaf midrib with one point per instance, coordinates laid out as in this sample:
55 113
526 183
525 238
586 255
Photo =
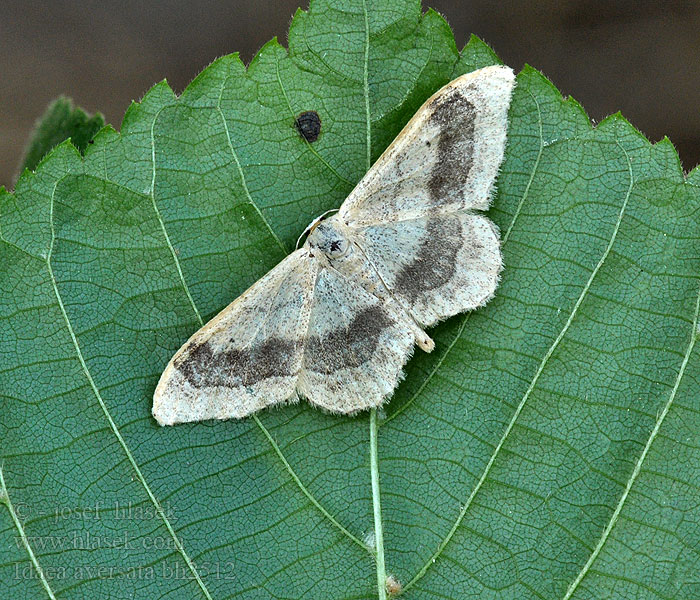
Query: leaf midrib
373 429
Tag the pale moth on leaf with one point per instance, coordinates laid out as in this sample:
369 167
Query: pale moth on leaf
336 321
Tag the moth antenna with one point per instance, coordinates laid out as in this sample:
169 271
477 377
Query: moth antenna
311 226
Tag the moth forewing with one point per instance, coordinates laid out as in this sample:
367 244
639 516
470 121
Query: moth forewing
248 356
445 159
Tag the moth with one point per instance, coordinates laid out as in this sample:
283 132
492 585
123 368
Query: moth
337 319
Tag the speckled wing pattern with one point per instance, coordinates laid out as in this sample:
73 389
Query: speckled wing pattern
336 327
445 159
248 356
435 266
355 346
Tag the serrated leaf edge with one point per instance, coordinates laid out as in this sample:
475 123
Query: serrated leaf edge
107 133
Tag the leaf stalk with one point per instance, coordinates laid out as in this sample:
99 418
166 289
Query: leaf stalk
377 506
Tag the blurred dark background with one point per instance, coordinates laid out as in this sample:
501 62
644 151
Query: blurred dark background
639 57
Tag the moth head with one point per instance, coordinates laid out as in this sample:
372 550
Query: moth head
327 237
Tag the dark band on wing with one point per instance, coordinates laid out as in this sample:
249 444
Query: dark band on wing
202 367
436 261
347 347
455 116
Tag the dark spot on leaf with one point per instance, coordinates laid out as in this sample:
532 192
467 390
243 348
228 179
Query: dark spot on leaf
308 125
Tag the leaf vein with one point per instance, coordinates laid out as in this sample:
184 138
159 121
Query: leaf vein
240 171
638 465
533 383
303 488
105 410
152 196
5 499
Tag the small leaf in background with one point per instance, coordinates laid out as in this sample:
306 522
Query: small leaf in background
61 121
547 448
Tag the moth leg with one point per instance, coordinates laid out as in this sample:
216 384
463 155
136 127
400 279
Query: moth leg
424 341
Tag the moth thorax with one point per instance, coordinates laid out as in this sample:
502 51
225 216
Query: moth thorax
328 237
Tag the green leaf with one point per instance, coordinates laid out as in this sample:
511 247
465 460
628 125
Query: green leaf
548 448
60 122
